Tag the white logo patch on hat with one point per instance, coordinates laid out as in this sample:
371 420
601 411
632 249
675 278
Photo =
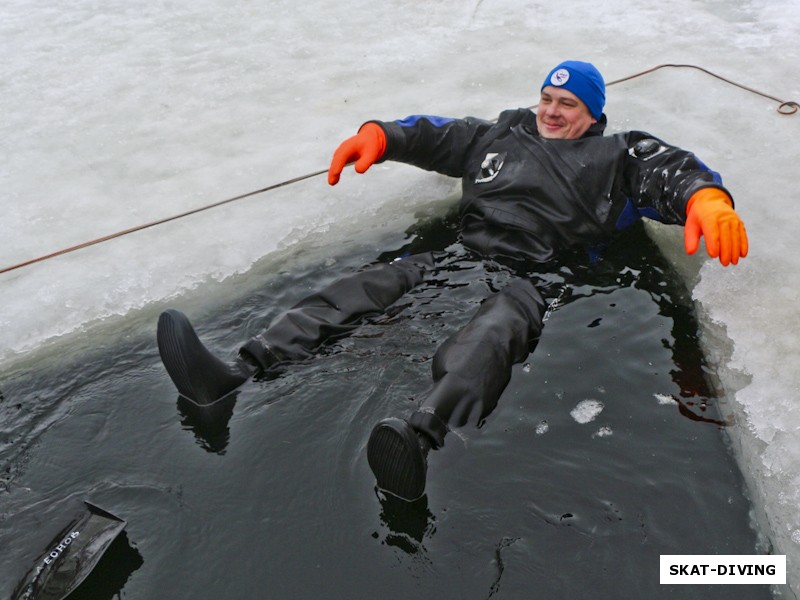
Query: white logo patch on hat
560 77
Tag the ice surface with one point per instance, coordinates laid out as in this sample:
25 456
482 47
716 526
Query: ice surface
115 114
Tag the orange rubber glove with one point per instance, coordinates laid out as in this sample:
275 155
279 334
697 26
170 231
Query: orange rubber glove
710 213
364 149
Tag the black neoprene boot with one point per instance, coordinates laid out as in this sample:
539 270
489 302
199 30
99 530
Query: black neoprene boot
397 456
199 375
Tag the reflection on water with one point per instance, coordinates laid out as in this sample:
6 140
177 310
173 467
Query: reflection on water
111 574
208 422
409 523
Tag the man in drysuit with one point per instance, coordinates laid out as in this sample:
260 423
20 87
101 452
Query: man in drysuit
535 185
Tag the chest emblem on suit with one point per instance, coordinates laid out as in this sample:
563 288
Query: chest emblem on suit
490 167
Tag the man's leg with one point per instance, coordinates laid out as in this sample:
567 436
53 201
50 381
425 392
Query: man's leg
333 312
470 371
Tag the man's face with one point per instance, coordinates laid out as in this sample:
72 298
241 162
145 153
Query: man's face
562 115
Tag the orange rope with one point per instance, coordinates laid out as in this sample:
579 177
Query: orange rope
785 107
111 236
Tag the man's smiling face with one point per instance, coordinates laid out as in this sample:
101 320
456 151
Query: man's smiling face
562 115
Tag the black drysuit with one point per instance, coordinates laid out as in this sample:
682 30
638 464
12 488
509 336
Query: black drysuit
525 199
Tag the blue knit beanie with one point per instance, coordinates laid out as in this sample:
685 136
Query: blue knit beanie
583 80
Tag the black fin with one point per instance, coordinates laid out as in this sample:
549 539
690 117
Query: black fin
71 556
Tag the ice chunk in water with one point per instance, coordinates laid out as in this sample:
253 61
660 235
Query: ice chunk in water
586 411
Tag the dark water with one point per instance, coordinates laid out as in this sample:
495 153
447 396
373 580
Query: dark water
274 499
